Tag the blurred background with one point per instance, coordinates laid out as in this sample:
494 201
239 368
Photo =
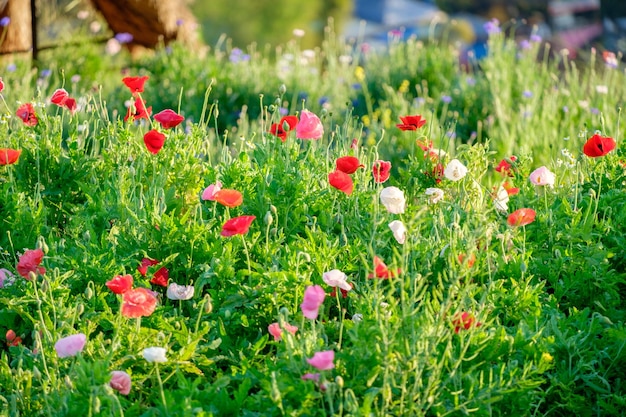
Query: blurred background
571 24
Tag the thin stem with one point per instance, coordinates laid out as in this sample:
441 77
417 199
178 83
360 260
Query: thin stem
158 374
245 249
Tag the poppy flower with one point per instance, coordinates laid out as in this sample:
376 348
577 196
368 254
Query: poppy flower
313 298
381 171
228 197
154 141
455 170
120 284
424 144
29 262
598 146
411 122
470 259
399 231
70 104
542 176
434 194
323 360
70 345
168 118
135 84
209 192
275 330
341 181
161 277
348 164
521 217
12 338
464 320
336 278
381 270
309 127
393 199
283 127
1 85
510 189
237 226
145 263
505 167
180 292
9 156
138 111
26 112
139 302
120 382
155 354
59 96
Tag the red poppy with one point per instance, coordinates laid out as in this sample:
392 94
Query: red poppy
154 141
598 146
135 84
505 167
161 277
382 271
510 190
228 198
1 85
168 118
521 217
470 259
12 338
59 97
341 181
29 262
381 171
140 302
138 111
145 263
464 320
411 122
348 164
70 104
283 127
120 284
237 226
26 112
9 156
424 144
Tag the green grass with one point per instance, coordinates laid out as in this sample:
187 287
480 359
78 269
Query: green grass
548 335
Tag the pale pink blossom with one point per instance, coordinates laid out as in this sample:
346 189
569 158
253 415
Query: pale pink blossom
336 278
120 382
70 345
309 126
210 191
542 176
275 330
323 360
313 299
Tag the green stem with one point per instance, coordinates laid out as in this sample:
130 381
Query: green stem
158 374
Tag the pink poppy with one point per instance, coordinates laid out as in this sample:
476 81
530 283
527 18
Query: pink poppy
70 345
29 262
275 330
237 226
313 298
323 360
210 192
309 126
168 118
140 302
120 382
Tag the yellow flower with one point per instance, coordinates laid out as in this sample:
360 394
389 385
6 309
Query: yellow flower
546 357
404 86
359 73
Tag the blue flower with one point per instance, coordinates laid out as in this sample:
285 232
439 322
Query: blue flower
4 22
124 37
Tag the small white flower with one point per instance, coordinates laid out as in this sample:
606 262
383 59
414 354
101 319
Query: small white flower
180 292
357 317
435 195
399 231
602 89
455 170
501 200
336 278
155 354
298 33
393 199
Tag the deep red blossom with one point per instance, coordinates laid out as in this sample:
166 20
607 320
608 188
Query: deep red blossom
505 167
168 118
59 96
70 104
135 84
521 217
341 181
284 126
154 141
145 263
29 262
348 164
9 156
26 112
228 197
382 271
161 277
138 111
140 302
120 283
381 171
411 122
237 226
464 320
598 146
1 85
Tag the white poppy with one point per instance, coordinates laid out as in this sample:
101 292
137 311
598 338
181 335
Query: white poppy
393 199
336 278
399 231
455 170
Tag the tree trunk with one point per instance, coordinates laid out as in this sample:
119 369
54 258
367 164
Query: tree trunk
151 22
16 36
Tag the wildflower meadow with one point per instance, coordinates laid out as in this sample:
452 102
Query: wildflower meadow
339 231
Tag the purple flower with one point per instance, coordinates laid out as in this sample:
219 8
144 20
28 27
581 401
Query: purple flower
524 44
283 111
527 93
565 109
11 67
45 73
75 78
4 22
124 37
237 55
446 99
179 22
535 38
595 110
470 81
323 100
492 27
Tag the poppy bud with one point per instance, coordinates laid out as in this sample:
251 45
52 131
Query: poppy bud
282 89
208 305
41 244
36 373
273 209
268 219
271 108
88 293
339 381
31 275
80 309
